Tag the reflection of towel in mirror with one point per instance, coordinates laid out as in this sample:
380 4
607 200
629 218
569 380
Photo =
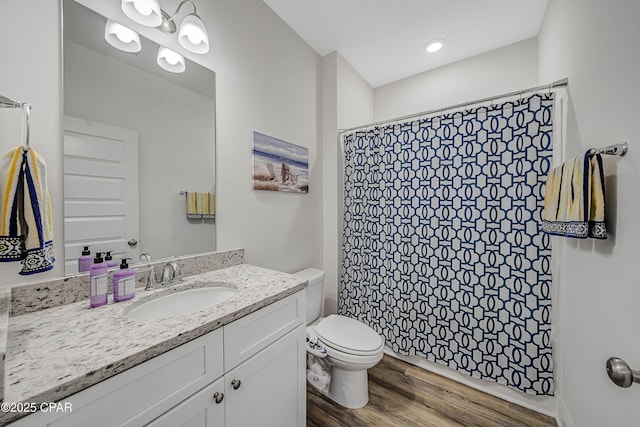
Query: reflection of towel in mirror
201 205
194 210
208 205
26 226
574 199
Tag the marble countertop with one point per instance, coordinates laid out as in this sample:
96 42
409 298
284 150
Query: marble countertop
59 351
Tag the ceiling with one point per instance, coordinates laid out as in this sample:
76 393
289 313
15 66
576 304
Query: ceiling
384 39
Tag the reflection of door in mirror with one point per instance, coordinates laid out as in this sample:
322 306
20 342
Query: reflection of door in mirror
100 190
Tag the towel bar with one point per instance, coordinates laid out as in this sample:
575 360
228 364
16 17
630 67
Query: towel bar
619 149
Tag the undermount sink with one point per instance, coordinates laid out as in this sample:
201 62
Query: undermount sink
178 302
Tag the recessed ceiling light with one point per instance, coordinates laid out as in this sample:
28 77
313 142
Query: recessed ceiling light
434 45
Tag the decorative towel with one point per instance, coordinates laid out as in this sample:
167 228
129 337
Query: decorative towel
194 210
208 205
574 199
26 228
11 183
201 205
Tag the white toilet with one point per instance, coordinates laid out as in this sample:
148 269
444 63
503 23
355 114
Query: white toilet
351 347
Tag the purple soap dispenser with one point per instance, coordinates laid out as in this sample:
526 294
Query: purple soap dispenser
85 261
109 260
124 282
98 282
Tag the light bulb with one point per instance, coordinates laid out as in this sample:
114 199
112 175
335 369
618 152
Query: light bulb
121 37
170 60
193 35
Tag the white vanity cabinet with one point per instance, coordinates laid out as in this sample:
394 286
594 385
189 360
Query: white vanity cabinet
205 408
249 372
269 389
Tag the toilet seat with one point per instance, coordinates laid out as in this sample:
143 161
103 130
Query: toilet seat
348 337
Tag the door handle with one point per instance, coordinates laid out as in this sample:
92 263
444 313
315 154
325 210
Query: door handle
132 242
620 373
236 384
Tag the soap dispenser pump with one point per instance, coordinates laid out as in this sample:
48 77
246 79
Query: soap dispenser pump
85 261
98 282
124 282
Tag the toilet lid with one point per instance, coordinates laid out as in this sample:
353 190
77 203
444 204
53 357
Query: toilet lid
348 335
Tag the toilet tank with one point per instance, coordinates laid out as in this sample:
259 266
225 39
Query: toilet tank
313 293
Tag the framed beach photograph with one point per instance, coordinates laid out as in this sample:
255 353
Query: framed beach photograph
279 165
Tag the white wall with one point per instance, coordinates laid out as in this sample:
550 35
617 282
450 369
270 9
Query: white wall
267 80
503 70
595 45
347 102
176 142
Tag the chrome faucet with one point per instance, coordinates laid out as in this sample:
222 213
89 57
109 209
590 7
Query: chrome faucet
171 274
152 279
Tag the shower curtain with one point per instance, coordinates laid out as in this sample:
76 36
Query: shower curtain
442 252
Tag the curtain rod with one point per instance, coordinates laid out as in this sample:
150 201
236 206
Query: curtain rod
558 83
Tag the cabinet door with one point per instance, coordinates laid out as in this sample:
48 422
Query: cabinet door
269 389
203 409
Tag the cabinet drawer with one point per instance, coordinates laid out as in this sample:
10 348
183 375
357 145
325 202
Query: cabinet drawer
248 335
203 409
142 393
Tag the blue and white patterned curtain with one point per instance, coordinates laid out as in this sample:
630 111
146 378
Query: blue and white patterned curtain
442 249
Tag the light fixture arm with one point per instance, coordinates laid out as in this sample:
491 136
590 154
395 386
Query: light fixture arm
168 24
180 7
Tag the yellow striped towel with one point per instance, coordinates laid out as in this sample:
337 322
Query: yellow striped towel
209 206
26 221
574 199
194 208
201 205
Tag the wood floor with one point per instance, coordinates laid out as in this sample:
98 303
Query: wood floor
401 394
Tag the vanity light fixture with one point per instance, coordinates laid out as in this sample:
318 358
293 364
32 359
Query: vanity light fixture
121 37
434 45
193 34
170 60
144 12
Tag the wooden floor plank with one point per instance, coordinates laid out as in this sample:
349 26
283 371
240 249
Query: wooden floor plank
402 395
511 410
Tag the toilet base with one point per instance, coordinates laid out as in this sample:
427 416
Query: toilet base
349 388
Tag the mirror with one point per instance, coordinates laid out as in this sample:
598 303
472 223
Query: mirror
111 99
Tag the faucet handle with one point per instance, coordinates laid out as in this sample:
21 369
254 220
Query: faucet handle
177 271
167 273
152 279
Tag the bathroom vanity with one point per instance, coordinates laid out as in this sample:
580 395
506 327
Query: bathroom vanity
237 363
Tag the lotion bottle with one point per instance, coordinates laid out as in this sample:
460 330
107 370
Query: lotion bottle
109 260
85 261
98 282
124 282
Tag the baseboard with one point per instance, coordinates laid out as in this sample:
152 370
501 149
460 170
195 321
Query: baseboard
547 405
564 417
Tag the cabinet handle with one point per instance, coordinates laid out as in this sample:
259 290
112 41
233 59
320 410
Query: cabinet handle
218 397
235 384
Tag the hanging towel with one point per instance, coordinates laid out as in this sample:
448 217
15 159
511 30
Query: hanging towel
26 230
574 199
201 205
209 206
194 208
11 233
